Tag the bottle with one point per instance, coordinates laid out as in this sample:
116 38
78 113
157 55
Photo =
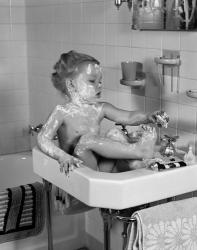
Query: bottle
189 157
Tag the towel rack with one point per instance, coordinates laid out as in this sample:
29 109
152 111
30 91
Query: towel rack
124 216
108 216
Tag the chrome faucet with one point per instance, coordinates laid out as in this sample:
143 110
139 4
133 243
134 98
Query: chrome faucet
118 3
36 129
167 145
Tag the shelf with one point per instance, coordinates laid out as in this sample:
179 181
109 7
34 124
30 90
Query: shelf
168 61
138 83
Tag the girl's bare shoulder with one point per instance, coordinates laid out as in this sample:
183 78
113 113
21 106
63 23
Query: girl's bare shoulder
62 108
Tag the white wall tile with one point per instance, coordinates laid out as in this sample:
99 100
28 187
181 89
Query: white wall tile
93 12
188 41
14 101
131 102
7 146
187 68
149 63
171 40
18 32
111 79
5 32
18 14
185 85
172 110
4 2
111 34
187 118
14 114
98 34
62 13
76 12
138 54
4 48
152 105
186 139
152 86
110 96
4 14
12 98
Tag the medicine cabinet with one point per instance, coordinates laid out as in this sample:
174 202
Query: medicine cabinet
174 15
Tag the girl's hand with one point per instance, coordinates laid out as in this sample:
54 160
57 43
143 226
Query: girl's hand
69 163
160 118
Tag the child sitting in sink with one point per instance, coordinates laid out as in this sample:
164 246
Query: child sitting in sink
77 122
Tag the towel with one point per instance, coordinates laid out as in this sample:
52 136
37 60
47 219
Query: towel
22 212
169 226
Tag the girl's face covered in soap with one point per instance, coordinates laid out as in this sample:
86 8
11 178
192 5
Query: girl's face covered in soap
87 81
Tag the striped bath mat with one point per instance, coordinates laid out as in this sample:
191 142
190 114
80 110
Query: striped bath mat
21 212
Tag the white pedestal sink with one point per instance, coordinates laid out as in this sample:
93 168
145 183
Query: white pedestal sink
116 190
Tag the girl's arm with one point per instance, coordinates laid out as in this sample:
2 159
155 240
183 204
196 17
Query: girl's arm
46 142
126 117
48 132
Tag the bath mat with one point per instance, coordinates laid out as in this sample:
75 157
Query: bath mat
22 212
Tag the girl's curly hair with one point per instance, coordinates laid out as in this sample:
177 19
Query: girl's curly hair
65 68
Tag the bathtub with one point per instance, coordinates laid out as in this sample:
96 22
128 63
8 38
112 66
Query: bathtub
16 169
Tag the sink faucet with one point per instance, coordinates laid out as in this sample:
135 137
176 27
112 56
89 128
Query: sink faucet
167 145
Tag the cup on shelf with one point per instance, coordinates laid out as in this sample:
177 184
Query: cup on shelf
130 70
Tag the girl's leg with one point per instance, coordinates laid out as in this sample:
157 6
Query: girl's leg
87 156
93 161
108 148
107 165
90 145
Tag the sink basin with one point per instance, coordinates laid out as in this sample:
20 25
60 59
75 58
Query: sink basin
116 190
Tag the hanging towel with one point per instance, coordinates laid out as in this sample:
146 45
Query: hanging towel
172 225
22 212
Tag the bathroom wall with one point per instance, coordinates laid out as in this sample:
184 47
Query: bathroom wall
96 27
14 103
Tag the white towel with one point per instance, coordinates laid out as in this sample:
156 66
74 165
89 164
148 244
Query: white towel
170 226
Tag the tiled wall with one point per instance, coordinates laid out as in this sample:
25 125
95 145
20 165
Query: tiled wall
14 103
96 27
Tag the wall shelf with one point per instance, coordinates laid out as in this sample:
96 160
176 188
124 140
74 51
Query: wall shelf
192 93
138 83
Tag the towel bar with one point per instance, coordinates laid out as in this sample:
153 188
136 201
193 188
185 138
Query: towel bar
109 215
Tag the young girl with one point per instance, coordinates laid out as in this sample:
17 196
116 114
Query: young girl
77 122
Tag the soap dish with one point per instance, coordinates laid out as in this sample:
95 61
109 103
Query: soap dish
192 93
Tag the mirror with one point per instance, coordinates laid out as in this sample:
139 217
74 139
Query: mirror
174 15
